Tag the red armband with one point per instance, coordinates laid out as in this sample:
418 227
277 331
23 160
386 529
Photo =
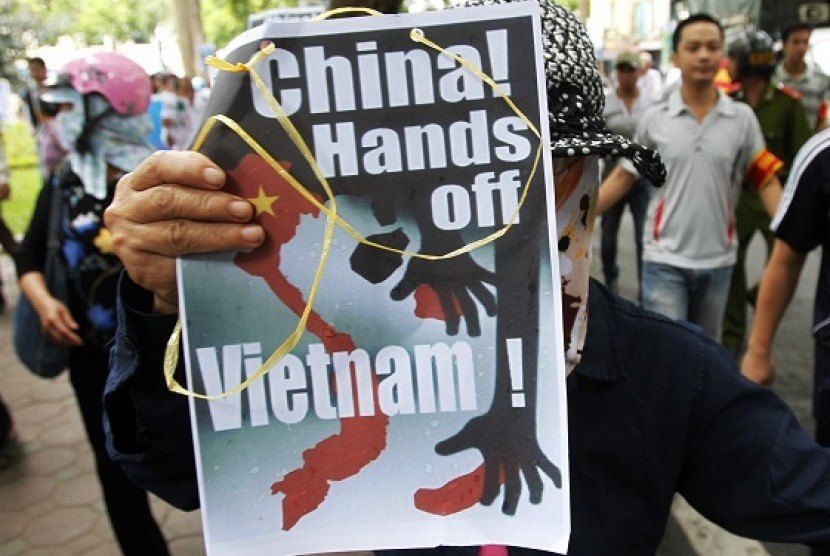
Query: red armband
763 167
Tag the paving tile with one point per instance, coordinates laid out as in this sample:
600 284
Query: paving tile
48 460
66 433
12 548
24 492
182 524
188 547
81 490
62 524
13 524
38 413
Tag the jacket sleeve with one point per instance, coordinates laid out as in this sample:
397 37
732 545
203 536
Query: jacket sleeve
31 254
147 427
751 467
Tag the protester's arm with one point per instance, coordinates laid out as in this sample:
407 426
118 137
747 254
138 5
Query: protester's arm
749 465
614 188
55 318
172 205
770 194
147 427
777 287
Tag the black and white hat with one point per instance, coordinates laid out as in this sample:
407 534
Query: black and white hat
575 95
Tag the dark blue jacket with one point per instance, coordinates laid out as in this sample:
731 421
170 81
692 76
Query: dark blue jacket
654 408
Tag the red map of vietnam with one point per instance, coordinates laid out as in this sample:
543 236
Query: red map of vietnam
279 208
360 441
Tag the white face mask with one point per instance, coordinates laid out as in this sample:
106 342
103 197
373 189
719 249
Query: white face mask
70 124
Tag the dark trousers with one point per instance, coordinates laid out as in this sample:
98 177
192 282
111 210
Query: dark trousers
750 217
636 200
127 505
821 400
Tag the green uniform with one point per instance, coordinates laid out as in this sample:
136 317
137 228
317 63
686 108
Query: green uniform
785 128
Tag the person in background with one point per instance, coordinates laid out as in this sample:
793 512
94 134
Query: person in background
103 125
49 148
624 105
650 81
190 121
785 128
41 117
154 111
801 224
176 113
7 239
711 145
31 95
794 70
201 86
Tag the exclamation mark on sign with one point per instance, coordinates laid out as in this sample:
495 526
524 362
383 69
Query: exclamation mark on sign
499 68
514 361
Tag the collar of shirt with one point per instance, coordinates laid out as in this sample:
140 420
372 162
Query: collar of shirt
767 96
811 72
600 353
676 106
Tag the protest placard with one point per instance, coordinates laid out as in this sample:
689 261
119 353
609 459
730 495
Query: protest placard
406 303
301 13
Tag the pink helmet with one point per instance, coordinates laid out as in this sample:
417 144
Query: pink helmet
122 82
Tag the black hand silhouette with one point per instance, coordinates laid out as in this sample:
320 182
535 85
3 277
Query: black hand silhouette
507 441
456 280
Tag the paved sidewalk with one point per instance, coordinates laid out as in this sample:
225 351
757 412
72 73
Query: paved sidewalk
50 501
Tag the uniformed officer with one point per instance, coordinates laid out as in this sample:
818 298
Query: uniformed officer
785 127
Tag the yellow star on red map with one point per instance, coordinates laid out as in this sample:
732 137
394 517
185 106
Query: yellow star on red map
263 202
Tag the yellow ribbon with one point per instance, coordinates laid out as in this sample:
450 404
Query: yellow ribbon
171 356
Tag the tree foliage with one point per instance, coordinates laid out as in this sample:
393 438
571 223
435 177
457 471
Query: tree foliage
15 31
89 21
224 19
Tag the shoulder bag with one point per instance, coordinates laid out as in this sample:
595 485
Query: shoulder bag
42 357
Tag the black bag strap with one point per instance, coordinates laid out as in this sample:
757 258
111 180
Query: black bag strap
59 175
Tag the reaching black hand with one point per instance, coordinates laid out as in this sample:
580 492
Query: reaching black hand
507 441
456 282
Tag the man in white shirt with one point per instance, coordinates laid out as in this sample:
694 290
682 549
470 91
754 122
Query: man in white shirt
710 145
624 105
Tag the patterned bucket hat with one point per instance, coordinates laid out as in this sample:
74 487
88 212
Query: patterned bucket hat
575 95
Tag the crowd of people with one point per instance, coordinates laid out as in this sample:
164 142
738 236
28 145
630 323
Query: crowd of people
753 159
